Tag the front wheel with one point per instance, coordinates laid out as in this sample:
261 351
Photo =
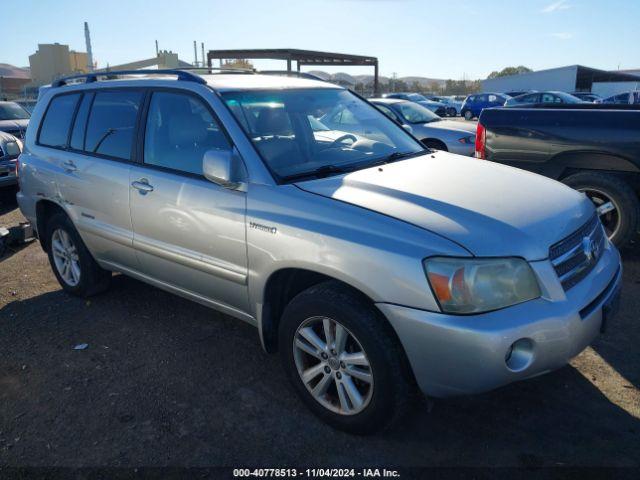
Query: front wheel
468 115
344 359
616 203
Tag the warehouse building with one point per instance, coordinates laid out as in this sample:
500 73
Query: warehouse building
573 78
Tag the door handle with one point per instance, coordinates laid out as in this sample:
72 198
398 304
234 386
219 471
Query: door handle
142 186
69 166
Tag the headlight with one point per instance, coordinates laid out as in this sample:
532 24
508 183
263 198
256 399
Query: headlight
479 285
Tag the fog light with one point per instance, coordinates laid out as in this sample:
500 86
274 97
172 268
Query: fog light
519 355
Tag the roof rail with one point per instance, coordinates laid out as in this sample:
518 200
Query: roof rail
182 74
93 76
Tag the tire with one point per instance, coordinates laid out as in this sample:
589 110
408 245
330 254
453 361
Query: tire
88 278
451 112
622 222
385 399
468 115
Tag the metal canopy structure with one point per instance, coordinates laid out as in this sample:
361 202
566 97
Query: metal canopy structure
586 77
301 57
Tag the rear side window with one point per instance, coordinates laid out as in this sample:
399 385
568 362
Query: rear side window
54 131
112 122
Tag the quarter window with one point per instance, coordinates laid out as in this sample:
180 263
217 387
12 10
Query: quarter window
57 121
112 121
180 129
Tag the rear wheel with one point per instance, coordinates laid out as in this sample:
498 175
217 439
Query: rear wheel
468 115
343 359
74 267
616 202
451 112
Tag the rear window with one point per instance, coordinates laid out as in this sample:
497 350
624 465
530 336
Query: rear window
57 121
112 122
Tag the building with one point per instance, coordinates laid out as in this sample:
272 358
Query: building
573 78
54 60
164 59
13 81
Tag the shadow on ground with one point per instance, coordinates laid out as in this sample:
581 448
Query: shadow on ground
164 381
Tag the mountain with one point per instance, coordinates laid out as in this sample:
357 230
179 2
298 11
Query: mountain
7 70
368 79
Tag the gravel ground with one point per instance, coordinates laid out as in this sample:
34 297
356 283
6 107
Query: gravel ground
164 381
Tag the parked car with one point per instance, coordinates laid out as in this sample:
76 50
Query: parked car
28 105
474 104
438 108
13 119
541 98
626 98
593 150
453 107
10 148
370 263
429 128
588 97
516 93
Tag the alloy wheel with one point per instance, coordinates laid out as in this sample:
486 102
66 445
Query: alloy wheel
333 366
65 257
607 209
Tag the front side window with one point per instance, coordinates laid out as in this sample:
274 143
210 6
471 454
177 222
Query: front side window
12 111
112 121
352 132
57 121
180 129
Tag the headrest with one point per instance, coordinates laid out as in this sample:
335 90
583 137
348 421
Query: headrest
186 129
273 121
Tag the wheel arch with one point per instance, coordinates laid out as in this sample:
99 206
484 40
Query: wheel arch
280 288
564 164
45 208
435 143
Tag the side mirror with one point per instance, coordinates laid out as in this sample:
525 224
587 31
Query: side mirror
222 167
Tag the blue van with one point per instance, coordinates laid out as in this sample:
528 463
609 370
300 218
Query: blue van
474 104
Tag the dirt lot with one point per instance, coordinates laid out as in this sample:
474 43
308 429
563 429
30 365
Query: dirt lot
168 382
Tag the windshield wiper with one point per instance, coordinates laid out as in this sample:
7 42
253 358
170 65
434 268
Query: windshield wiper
319 172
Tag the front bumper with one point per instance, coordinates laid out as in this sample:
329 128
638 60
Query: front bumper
458 355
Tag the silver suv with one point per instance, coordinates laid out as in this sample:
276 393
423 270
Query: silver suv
371 264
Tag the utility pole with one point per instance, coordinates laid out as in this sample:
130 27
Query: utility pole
87 39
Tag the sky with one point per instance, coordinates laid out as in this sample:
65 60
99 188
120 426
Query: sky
432 38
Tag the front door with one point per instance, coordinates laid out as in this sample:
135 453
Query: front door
189 233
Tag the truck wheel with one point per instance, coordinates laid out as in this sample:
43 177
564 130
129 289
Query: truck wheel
344 359
74 267
617 203
468 115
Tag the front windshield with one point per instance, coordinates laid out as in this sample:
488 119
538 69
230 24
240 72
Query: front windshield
317 131
416 97
415 113
12 111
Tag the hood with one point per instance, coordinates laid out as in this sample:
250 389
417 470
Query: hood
488 208
451 125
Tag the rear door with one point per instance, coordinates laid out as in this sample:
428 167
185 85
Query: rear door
189 233
94 157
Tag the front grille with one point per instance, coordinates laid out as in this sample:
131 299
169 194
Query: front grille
575 256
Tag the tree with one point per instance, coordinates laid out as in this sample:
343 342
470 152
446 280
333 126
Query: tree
505 72
238 63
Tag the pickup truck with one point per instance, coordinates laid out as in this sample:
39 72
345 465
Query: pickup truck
590 148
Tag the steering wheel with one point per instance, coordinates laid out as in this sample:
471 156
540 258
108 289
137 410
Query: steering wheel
341 139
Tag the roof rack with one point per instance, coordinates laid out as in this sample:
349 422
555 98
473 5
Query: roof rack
182 74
